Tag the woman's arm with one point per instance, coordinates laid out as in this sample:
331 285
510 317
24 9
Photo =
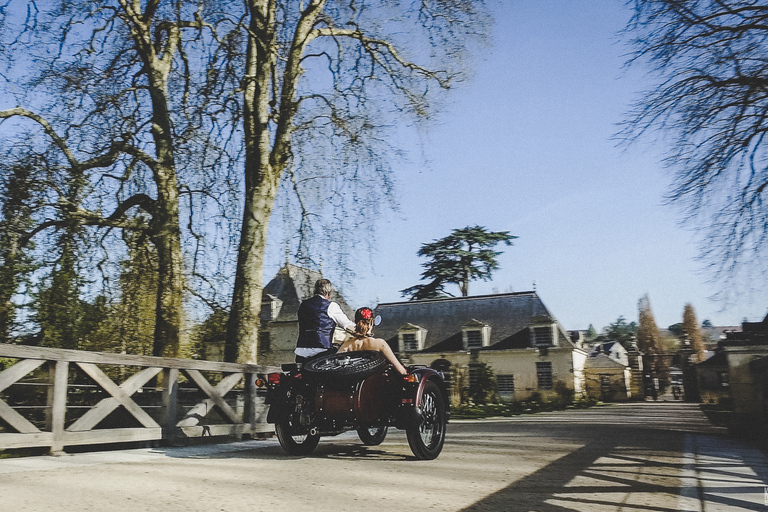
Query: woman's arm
383 346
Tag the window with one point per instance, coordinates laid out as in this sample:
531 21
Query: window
505 384
270 308
265 342
544 375
473 375
474 339
475 335
410 338
542 336
410 343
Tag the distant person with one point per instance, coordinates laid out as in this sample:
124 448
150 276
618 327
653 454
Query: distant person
318 317
362 340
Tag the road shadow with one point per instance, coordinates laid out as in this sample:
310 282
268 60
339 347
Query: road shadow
271 450
606 469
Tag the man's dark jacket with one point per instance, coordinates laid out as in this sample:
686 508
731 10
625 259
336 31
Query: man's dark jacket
315 326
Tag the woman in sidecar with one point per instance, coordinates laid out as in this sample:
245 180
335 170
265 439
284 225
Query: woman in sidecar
362 340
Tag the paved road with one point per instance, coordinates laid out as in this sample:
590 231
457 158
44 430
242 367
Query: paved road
634 457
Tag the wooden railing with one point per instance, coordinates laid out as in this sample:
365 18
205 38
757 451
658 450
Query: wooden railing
56 398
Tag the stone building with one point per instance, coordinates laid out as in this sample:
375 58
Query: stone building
738 373
513 333
608 373
280 302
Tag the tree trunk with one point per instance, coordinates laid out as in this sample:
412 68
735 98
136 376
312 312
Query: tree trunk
165 222
261 180
243 325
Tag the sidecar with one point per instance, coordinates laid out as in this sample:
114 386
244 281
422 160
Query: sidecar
358 391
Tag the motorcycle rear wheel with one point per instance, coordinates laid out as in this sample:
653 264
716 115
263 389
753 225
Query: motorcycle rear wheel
295 441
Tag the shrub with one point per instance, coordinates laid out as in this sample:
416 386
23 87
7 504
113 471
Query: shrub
483 389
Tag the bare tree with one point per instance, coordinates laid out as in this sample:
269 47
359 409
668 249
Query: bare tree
712 100
147 92
111 86
321 81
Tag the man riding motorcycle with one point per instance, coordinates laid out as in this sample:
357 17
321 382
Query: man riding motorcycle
318 317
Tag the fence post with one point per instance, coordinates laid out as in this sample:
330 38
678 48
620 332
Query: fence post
57 398
170 403
249 414
51 367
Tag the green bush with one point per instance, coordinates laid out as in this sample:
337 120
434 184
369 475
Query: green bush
483 389
535 403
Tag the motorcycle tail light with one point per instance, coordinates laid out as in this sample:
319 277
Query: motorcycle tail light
273 378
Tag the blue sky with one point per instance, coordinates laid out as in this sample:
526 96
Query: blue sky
526 146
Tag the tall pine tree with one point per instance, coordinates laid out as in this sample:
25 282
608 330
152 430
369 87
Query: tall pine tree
650 343
463 256
692 331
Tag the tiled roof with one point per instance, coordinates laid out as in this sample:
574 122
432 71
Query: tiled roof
508 314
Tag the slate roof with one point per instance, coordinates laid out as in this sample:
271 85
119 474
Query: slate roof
612 349
291 285
719 360
752 333
508 314
602 361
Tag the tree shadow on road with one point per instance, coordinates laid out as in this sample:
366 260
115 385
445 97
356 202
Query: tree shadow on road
633 471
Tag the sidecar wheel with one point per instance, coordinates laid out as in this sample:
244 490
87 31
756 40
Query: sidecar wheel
426 439
372 436
295 440
347 365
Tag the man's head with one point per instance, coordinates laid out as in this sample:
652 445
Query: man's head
323 287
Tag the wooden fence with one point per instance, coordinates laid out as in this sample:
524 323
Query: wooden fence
56 398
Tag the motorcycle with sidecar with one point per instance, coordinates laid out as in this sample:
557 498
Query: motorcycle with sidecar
361 391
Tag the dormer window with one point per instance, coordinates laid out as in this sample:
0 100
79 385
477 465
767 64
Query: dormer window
410 343
411 338
474 339
475 335
542 336
270 308
543 331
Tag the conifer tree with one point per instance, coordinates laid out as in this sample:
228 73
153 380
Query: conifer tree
134 314
622 331
17 188
58 305
650 343
463 256
692 331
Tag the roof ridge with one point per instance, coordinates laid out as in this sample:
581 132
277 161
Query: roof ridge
530 293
